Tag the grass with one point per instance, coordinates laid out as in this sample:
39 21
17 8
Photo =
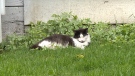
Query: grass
100 59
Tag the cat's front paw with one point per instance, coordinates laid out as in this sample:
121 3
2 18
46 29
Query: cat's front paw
82 47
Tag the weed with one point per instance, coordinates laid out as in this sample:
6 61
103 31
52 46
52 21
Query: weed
65 23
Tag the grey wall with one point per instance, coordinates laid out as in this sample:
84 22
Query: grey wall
22 12
13 20
120 11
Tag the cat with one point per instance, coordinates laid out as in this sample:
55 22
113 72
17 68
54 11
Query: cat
81 39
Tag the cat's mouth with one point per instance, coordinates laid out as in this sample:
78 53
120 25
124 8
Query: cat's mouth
81 41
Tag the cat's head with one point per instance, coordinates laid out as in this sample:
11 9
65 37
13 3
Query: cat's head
81 35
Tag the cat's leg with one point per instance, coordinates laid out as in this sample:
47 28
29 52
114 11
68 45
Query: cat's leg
45 43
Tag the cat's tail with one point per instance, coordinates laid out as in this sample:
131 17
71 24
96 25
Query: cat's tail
35 46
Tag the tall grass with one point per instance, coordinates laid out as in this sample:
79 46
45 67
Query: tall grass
99 59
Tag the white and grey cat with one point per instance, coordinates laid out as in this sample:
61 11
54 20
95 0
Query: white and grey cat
81 39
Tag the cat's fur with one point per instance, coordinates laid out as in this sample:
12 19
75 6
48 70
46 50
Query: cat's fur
81 39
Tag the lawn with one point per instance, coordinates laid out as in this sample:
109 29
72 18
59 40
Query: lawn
99 59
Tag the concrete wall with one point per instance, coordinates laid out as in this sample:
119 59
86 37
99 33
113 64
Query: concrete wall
22 12
120 11
13 20
2 12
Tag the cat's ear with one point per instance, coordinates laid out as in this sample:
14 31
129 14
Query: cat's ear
86 29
